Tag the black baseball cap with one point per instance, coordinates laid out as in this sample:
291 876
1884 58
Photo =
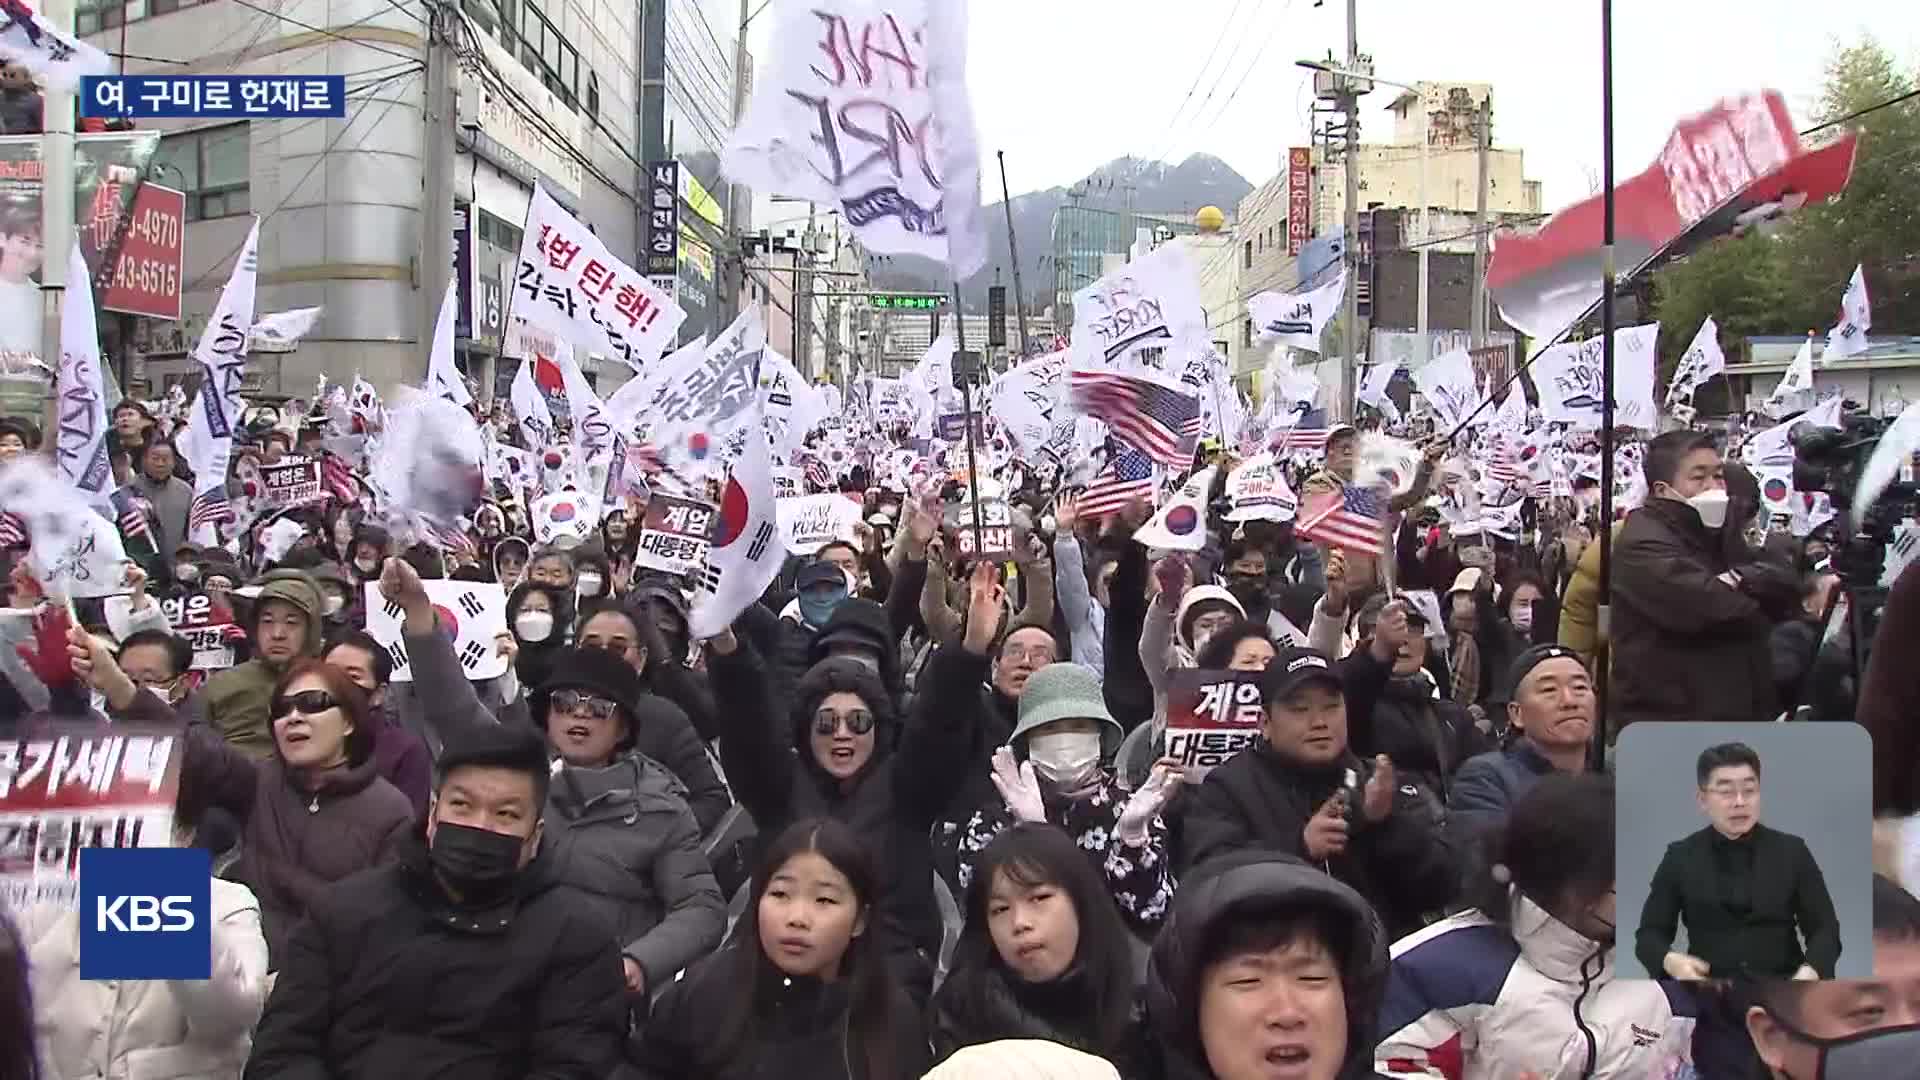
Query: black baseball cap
1296 668
1533 658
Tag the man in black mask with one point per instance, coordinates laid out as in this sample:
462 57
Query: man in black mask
465 958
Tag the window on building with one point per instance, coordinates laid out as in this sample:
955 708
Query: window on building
547 53
212 165
93 16
498 231
1246 259
1246 333
593 95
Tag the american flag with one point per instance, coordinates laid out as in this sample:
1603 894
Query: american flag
1125 477
337 479
1300 438
1353 517
210 508
1504 466
132 513
1162 421
13 531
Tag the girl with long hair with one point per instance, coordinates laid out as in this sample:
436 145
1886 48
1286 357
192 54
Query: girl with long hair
800 990
1043 954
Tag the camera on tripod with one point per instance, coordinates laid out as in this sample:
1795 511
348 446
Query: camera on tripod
1831 460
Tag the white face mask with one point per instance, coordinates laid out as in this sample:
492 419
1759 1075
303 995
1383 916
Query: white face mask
334 604
186 572
533 626
1711 505
365 566
587 584
1523 618
1064 757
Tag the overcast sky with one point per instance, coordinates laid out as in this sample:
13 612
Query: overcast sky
1065 85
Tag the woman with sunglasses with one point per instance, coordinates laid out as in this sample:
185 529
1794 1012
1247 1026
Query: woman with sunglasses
321 812
849 759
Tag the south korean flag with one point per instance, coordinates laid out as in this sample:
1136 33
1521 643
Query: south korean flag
747 550
471 613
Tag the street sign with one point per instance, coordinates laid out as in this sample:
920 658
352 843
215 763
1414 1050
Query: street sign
906 301
996 316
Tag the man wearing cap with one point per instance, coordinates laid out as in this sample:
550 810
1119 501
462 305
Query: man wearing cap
820 588
1301 790
1551 713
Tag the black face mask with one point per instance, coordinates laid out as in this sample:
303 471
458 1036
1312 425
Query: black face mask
480 863
1877 1052
1251 591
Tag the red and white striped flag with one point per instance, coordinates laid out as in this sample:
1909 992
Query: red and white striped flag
1353 517
1159 420
1126 477
337 479
1299 438
13 531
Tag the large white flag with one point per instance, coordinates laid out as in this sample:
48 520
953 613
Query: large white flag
223 344
1702 361
871 116
443 379
1181 525
1798 378
636 394
81 445
931 379
709 405
1447 382
568 283
1152 302
1297 319
747 552
1849 335
1568 377
530 405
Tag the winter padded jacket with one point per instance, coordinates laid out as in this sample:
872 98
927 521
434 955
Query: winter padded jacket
1239 885
799 1031
236 699
1468 999
624 836
136 1029
388 977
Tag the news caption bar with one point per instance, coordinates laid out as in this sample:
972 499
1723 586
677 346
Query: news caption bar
139 97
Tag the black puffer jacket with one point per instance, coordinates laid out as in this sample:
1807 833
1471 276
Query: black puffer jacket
891 803
984 1006
1427 738
1236 885
388 978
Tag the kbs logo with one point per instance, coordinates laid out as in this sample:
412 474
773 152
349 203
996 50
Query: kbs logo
144 913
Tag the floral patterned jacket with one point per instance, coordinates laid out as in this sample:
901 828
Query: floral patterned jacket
1140 878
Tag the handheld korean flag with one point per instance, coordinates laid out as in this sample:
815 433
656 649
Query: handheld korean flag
443 379
747 552
81 445
471 614
1181 525
1849 336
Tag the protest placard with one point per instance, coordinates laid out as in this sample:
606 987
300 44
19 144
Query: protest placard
809 522
66 790
994 539
290 482
1211 716
675 534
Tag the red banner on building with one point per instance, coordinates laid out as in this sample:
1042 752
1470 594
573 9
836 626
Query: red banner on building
1299 198
152 257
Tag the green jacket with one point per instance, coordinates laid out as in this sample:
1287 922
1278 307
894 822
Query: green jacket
237 698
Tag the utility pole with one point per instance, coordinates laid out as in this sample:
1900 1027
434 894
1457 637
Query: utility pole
737 195
56 216
1350 249
803 298
1013 252
437 175
1426 230
1480 227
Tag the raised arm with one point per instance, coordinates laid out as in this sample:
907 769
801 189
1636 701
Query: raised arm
758 762
933 758
448 702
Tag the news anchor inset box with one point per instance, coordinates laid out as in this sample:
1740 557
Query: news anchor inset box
1746 853
144 913
237 97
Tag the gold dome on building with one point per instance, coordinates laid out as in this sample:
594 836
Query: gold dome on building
1209 219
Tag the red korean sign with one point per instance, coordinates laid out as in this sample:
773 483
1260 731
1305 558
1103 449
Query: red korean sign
63 793
151 262
1211 716
1299 198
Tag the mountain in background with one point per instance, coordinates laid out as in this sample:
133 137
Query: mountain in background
1154 187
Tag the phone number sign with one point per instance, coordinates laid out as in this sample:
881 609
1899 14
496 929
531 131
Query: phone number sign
151 261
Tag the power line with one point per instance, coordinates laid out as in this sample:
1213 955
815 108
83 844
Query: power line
325 32
1858 113
1225 26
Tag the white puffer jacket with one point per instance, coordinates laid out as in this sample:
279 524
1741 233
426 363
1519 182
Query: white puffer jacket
1471 1000
148 1030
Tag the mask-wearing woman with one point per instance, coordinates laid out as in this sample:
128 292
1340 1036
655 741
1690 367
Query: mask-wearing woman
592 578
800 990
141 1027
1548 983
538 616
1043 954
367 552
321 812
1052 770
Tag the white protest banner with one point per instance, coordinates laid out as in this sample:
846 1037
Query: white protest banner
1150 302
74 551
1702 361
793 406
892 401
709 401
284 329
1568 378
1849 336
1296 320
787 481
1211 716
75 787
222 349
1797 379
33 43
1448 384
290 482
1181 524
443 379
592 425
566 281
471 613
81 440
931 379
866 109
1258 491
205 625
1027 400
808 522
674 534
